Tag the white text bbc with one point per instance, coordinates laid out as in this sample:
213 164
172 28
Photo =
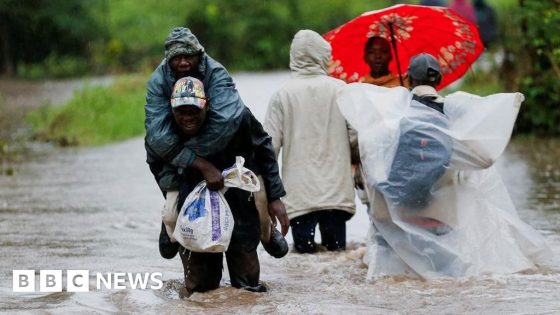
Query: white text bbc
78 281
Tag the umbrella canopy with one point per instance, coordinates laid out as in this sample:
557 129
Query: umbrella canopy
411 29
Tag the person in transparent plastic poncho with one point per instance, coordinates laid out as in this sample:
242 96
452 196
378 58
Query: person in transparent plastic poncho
439 205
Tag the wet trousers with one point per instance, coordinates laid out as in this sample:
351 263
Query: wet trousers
332 225
203 271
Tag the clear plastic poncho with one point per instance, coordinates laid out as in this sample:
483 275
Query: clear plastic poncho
438 205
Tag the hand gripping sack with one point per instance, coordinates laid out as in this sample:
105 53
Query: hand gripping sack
205 222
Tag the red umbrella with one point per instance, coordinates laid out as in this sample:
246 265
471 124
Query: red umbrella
411 29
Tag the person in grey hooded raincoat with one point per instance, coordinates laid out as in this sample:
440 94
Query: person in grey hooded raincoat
305 122
167 153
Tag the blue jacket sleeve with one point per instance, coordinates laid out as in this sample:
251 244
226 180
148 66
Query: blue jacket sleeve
225 112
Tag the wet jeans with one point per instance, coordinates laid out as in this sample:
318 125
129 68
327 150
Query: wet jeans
203 271
332 225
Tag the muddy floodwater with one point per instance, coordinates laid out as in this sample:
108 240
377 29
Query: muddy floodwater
98 209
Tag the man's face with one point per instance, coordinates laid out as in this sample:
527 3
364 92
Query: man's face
189 118
377 56
184 65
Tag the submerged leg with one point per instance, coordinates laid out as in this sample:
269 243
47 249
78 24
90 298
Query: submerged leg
332 224
203 271
303 232
244 268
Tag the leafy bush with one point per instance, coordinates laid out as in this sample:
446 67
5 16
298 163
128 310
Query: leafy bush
532 64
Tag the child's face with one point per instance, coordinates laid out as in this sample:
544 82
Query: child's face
189 118
377 56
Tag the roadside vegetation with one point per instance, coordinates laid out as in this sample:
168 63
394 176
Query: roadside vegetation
96 115
126 37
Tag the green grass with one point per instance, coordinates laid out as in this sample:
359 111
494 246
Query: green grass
96 115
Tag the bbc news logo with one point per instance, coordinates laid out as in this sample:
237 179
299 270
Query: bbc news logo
79 281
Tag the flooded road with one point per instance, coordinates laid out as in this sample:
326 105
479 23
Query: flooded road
98 209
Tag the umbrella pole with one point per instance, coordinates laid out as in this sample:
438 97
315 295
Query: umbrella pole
394 44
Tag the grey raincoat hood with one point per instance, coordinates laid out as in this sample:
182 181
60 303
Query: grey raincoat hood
309 54
307 128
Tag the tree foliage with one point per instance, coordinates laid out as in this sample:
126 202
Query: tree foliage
532 65
256 35
59 38
33 30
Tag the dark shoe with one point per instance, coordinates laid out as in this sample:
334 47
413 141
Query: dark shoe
277 246
260 288
167 249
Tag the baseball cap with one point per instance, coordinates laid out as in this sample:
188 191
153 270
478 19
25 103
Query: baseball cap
424 67
188 91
